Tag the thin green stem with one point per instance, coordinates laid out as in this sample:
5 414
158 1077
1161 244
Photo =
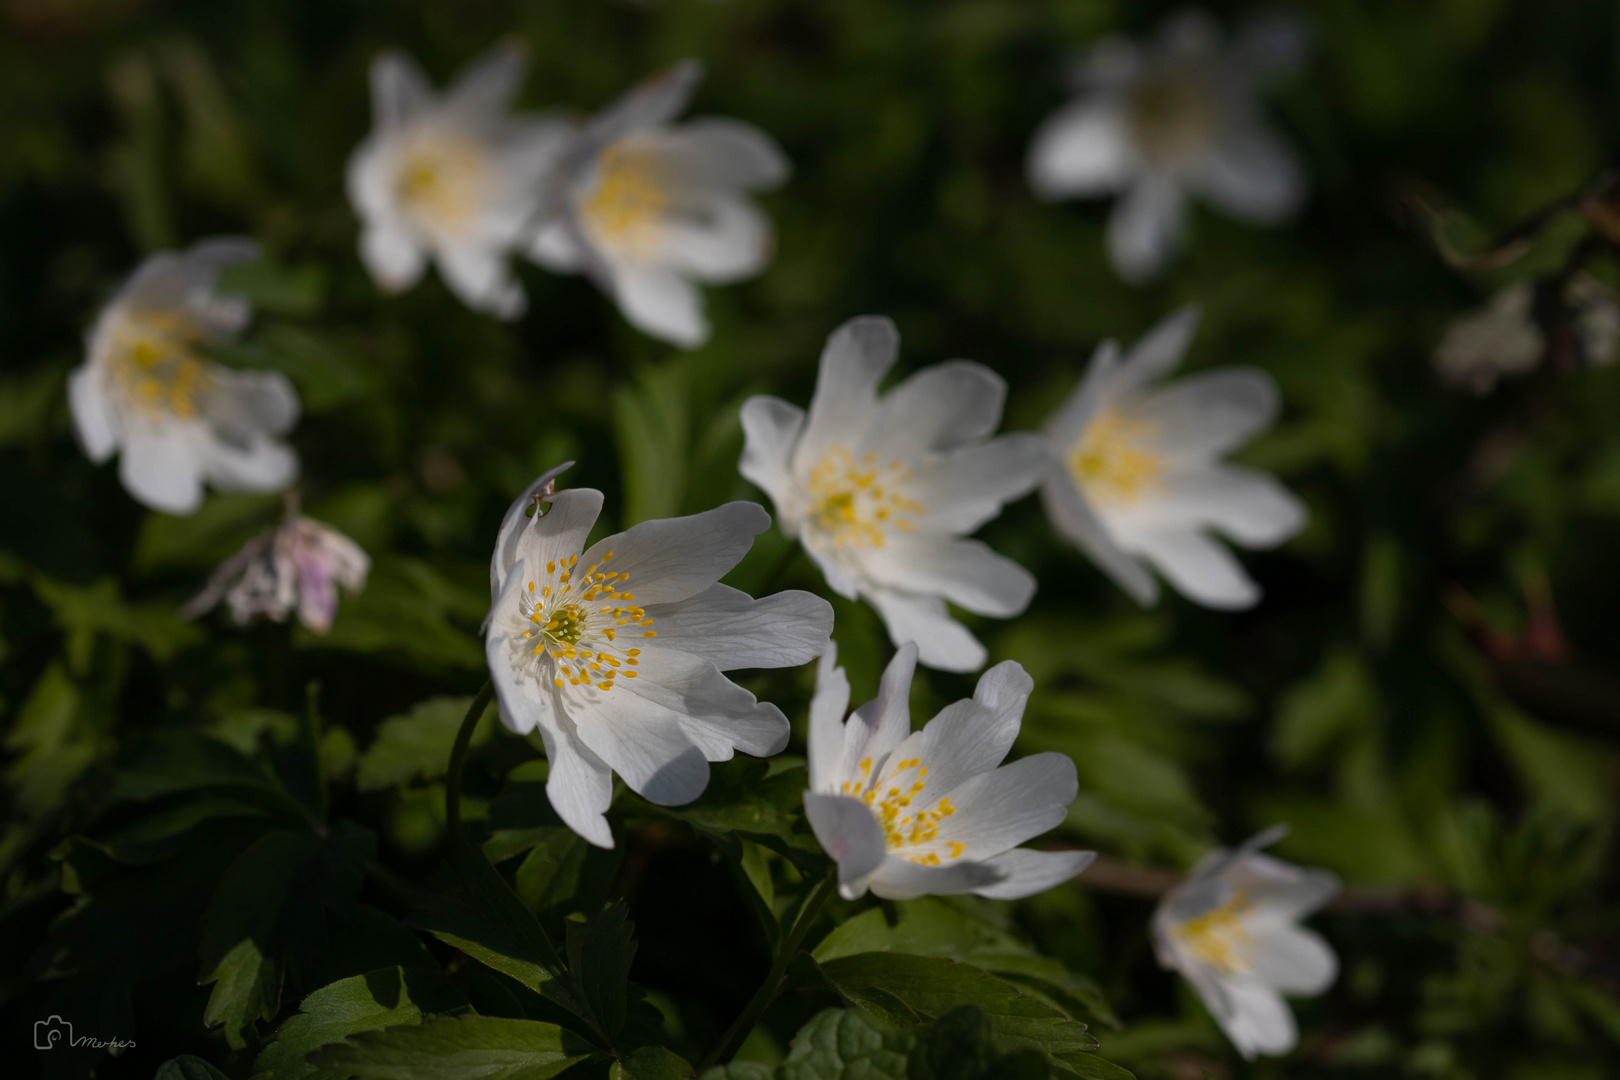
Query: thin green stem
732 1040
458 760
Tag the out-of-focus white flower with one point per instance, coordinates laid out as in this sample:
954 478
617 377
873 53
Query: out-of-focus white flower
880 490
1496 340
1142 476
148 390
1230 930
1160 122
615 653
1596 312
296 566
911 814
456 177
648 207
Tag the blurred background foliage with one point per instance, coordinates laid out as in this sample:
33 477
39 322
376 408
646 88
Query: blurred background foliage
1397 698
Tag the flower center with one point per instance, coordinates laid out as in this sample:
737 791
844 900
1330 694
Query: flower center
1173 116
856 502
1218 937
1108 463
575 623
442 181
890 799
155 365
625 209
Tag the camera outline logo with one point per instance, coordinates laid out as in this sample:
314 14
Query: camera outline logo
49 1032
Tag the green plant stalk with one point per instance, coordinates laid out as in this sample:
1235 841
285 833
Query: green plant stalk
740 1027
458 761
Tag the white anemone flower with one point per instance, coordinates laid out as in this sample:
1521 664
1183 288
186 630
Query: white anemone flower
615 652
148 390
881 489
908 814
296 566
1157 123
1231 930
455 177
1141 476
648 207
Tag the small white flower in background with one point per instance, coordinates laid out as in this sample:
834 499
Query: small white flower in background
1596 311
1503 339
648 207
455 177
1142 479
148 391
1157 123
881 490
296 566
1230 930
910 814
615 653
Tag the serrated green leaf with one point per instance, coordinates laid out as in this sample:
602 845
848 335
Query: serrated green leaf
845 1044
651 1063
464 1048
416 745
187 1067
247 989
600 950
960 1046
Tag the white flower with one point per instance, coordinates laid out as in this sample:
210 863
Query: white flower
1142 476
648 207
1230 930
615 653
1496 340
455 177
880 490
911 814
1175 118
297 565
148 390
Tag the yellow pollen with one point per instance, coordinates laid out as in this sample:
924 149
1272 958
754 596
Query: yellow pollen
442 181
156 365
1218 937
625 211
1108 463
848 501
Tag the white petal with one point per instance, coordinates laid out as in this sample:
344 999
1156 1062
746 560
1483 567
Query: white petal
559 533
1292 959
973 736
654 101
1257 1019
399 90
641 740
1199 567
998 810
840 567
965 572
556 248
881 724
1157 354
94 422
719 716
825 743
490 82
721 154
160 466
1065 426
512 525
482 279
942 642
858 355
262 465
733 630
1145 227
523 704
728 239
1081 150
1247 506
659 302
1030 872
169 281
941 407
1069 514
898 879
771 429
393 257
966 487
849 833
1206 415
1251 174
675 558
1283 890
243 405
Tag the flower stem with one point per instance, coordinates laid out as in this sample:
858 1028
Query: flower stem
458 760
740 1027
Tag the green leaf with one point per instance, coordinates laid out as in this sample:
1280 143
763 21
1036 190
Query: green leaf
651 1063
187 1067
844 1044
465 1048
745 797
599 953
416 745
959 1046
378 999
409 612
1337 698
651 422
247 989
53 743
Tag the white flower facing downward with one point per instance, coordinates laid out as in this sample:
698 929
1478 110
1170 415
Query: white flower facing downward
1230 930
149 391
910 814
615 652
880 490
1141 475
454 177
297 566
648 207
1160 122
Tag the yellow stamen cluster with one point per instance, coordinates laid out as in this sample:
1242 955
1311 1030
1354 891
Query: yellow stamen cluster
857 502
442 180
577 619
155 363
626 207
1218 937
1108 462
891 796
